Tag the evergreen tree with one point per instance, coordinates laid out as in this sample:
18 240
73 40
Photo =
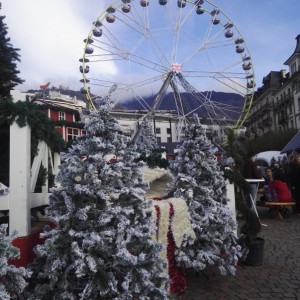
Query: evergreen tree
198 179
146 140
8 68
101 247
12 278
148 147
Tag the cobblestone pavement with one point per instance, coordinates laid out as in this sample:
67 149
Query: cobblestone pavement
278 277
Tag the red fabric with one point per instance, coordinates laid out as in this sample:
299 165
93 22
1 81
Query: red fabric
176 274
26 244
282 190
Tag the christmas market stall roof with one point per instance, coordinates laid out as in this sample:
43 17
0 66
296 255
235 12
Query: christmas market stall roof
293 144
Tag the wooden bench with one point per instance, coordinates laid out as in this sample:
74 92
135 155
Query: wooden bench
274 206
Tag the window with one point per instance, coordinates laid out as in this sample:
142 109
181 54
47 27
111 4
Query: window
157 130
72 133
158 139
169 140
293 68
61 115
169 130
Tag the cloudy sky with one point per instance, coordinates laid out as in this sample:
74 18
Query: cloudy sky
50 34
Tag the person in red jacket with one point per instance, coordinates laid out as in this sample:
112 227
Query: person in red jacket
281 187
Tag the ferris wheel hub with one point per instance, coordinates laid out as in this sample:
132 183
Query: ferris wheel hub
176 68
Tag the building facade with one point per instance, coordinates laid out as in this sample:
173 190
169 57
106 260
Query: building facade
166 127
64 110
276 104
70 117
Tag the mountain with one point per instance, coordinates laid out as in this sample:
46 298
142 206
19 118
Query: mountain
192 102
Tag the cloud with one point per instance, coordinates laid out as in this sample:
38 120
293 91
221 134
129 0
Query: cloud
50 35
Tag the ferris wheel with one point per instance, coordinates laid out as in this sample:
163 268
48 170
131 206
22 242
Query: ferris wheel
175 55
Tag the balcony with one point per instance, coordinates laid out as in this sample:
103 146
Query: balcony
284 100
260 125
241 135
266 106
282 120
253 130
267 122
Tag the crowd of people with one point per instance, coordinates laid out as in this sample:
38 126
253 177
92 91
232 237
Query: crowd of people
281 180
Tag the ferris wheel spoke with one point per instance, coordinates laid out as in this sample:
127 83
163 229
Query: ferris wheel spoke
112 53
206 46
141 25
125 86
177 28
209 41
211 109
112 46
235 86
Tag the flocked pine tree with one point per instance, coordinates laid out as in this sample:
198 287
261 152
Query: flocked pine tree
146 140
101 247
198 179
12 281
148 147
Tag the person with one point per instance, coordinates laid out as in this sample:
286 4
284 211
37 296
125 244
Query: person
264 187
294 180
269 176
282 192
250 172
281 187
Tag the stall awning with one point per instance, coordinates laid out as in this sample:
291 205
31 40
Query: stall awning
293 144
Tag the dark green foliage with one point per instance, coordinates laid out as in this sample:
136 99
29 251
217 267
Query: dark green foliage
42 128
232 149
251 226
251 223
8 68
27 113
155 159
41 179
234 174
274 140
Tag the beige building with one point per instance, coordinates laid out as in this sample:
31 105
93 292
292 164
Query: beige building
276 104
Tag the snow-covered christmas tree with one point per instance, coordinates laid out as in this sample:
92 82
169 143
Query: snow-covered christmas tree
146 140
147 145
101 247
12 281
198 179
